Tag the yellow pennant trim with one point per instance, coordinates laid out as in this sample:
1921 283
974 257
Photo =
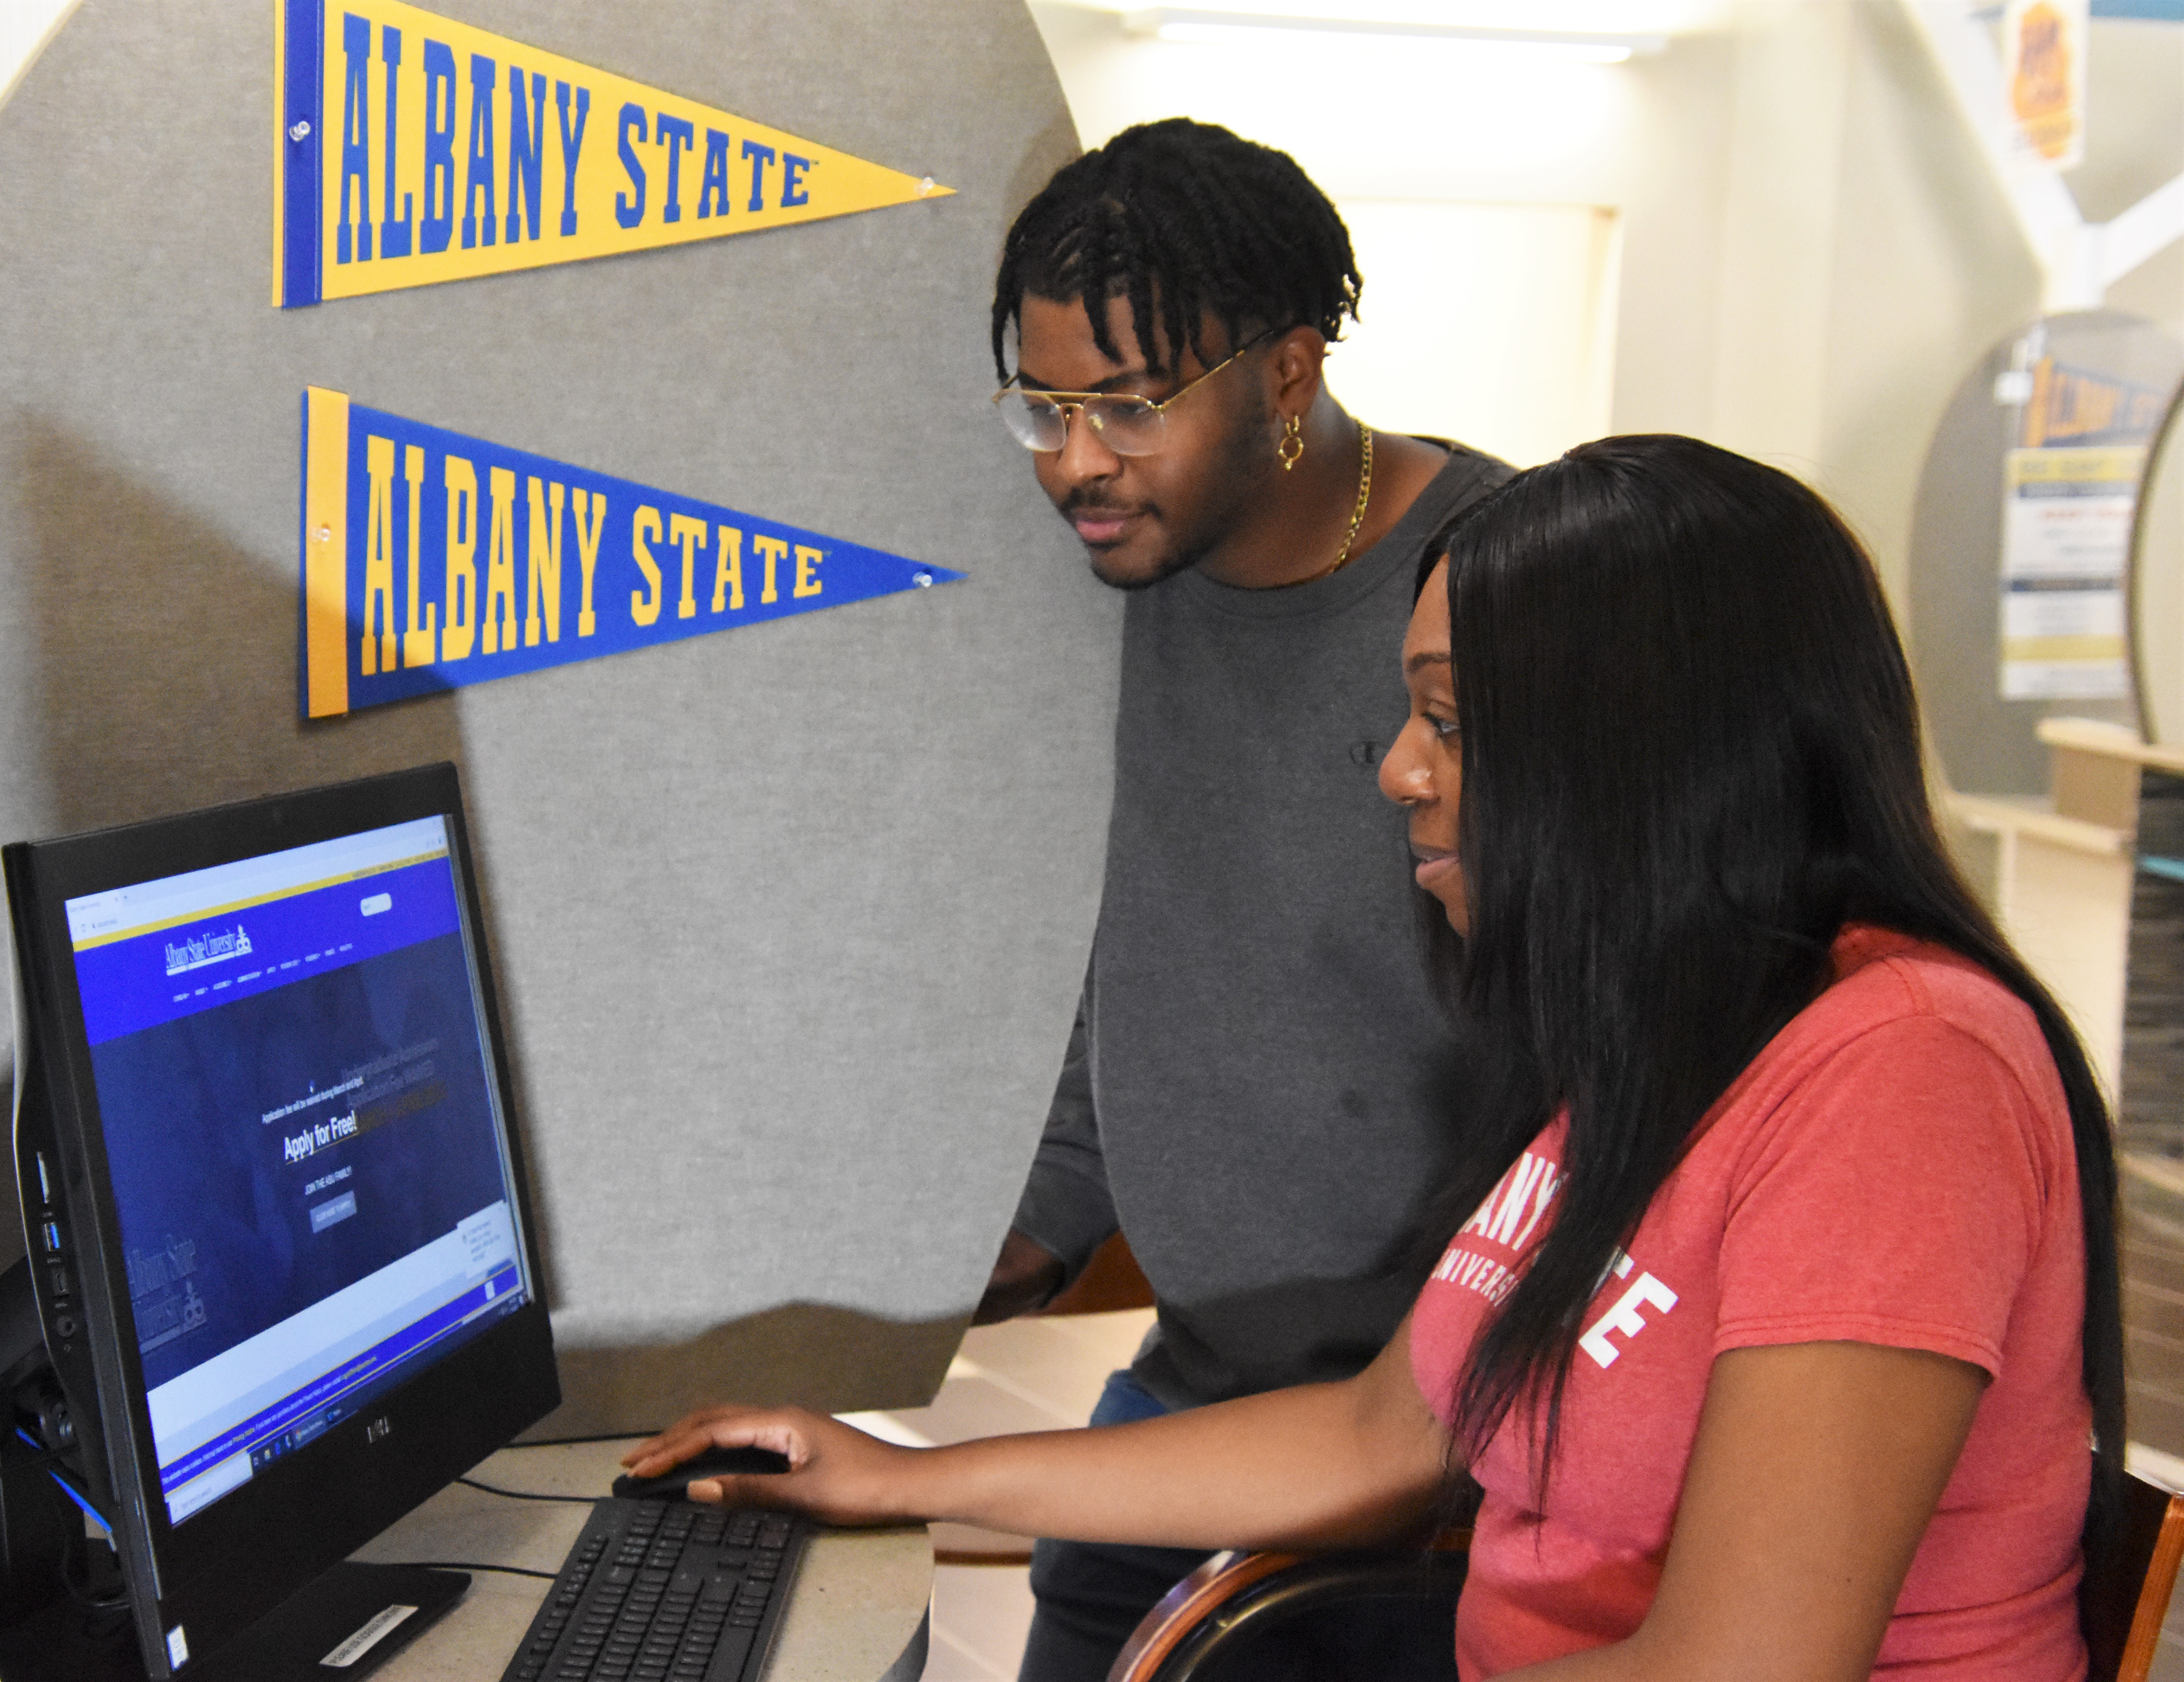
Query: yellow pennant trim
326 552
415 149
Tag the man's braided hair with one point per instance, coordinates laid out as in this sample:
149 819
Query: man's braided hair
1186 220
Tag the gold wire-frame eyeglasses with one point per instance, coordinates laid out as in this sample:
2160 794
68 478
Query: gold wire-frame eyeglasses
1128 425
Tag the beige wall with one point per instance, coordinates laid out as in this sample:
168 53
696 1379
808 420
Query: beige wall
1814 254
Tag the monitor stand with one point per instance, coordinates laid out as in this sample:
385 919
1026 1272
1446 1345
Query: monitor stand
65 1644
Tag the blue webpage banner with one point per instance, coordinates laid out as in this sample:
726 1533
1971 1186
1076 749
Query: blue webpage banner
432 559
213 959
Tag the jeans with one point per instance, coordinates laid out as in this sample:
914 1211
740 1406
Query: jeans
1092 1595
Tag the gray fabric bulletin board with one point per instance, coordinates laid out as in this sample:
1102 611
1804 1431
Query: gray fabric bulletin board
789 920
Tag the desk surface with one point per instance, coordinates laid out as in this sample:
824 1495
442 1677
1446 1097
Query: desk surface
859 1603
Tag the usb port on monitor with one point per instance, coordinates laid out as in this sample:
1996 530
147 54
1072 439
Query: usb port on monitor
53 1237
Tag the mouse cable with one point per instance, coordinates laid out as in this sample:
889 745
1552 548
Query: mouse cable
521 1495
565 1442
43 1459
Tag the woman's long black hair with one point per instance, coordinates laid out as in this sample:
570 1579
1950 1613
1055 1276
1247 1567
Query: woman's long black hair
1690 756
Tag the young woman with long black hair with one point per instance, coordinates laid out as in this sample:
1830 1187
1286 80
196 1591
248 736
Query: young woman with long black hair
1783 1306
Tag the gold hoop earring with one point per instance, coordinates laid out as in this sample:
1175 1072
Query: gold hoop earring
1290 448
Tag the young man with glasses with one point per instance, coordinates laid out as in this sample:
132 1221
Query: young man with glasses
1259 1090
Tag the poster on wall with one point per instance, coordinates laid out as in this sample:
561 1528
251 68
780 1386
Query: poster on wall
2070 493
432 560
2044 46
414 149
2157 586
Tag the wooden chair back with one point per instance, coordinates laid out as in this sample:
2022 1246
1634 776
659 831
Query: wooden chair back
1216 1600
2126 1593
1187 1606
2122 1602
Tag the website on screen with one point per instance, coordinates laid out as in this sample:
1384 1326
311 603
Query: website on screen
301 1131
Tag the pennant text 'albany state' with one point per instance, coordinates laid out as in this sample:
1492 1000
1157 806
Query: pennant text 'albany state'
432 560
414 149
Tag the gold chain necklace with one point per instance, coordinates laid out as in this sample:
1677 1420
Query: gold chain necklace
1357 518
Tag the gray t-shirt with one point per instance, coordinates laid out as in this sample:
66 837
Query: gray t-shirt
1260 1090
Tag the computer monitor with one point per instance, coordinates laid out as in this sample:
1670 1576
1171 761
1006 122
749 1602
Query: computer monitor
275 1202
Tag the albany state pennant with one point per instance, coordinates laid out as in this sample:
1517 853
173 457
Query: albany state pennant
414 149
432 560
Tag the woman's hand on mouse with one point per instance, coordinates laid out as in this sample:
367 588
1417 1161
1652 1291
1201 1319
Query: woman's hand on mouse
1353 1464
835 1472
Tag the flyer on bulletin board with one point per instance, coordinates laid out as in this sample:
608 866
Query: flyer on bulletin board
2069 495
2065 544
432 559
414 149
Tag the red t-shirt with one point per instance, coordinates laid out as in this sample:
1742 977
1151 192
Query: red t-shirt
1895 1167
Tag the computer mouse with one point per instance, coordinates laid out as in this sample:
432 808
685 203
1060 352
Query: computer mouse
712 1462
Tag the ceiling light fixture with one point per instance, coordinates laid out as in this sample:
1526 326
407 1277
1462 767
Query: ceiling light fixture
1180 23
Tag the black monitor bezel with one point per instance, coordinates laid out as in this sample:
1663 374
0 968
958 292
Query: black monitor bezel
232 1561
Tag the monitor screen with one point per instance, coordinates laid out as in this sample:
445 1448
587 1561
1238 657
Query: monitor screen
293 1242
305 1153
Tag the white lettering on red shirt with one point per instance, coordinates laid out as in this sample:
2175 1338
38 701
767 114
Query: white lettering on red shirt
1624 1316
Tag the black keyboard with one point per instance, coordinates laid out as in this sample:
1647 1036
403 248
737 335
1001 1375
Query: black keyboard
664 1591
